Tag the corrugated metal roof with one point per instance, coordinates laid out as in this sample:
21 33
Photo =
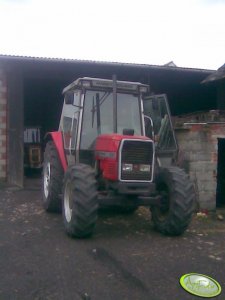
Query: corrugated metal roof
79 61
218 75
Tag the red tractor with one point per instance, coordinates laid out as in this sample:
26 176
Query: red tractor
114 148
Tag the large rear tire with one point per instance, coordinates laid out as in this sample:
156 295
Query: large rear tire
52 179
80 201
173 215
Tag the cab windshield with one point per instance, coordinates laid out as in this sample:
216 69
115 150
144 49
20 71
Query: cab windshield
98 115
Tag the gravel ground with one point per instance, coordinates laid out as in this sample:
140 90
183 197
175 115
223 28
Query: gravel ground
125 259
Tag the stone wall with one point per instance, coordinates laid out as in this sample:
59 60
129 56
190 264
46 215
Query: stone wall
198 145
3 125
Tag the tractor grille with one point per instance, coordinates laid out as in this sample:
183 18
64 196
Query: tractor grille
136 153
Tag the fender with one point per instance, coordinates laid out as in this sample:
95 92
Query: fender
58 141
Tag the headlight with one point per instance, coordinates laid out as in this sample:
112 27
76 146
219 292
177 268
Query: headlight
145 168
127 167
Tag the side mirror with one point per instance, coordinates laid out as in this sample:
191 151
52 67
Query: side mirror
69 98
149 131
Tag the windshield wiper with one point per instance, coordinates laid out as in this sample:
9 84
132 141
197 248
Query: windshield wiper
93 112
98 113
96 108
101 100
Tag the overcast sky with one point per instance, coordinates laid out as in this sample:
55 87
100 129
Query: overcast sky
189 32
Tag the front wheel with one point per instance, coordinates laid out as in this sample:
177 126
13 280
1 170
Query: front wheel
173 215
80 201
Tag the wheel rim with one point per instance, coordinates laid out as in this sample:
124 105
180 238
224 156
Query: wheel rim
68 202
47 177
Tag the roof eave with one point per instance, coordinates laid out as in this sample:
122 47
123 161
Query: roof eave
115 64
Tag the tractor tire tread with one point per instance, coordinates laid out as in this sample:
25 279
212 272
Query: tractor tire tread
181 210
85 207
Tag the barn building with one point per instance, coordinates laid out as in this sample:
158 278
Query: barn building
31 96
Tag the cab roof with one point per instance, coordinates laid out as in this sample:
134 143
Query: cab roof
95 83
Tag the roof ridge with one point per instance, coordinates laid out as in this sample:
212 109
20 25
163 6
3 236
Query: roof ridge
10 56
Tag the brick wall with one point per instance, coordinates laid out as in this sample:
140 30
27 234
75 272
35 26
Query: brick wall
198 154
3 123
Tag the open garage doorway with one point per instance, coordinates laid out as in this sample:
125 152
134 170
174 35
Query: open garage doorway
34 94
220 193
43 102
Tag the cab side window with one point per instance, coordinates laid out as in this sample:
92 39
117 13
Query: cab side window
69 119
74 133
67 124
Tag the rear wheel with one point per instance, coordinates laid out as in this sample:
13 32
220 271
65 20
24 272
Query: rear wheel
173 215
80 201
52 179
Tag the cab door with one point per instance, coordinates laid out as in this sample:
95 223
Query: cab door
156 107
69 124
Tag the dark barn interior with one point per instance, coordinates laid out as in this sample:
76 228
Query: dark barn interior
220 193
45 80
35 93
42 103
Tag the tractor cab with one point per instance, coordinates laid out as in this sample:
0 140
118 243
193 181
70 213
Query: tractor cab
93 107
